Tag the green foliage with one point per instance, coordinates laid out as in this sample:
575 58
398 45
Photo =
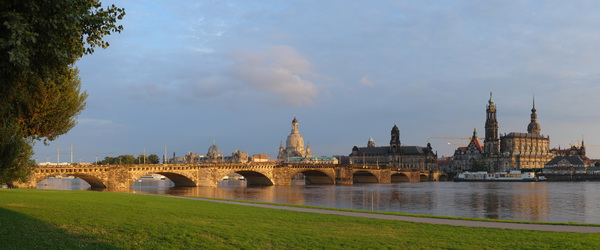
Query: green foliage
17 151
479 165
78 219
153 159
130 159
40 42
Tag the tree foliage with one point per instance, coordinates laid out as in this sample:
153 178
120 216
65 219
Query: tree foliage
153 159
17 151
479 165
40 42
129 159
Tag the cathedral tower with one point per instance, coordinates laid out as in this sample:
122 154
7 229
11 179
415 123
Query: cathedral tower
491 142
395 140
534 127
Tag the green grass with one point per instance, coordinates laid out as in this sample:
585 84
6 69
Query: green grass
414 215
45 219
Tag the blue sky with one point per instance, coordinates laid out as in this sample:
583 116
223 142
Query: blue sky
185 73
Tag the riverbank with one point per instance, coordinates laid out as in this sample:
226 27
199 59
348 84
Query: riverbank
83 219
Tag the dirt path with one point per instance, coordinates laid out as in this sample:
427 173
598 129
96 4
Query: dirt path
466 223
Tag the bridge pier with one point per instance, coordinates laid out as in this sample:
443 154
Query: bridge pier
207 177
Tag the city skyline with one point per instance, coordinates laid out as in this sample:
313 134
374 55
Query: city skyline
187 73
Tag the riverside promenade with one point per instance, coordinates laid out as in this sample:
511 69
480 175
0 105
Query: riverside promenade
452 222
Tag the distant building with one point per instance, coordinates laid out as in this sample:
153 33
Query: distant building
573 150
508 152
445 164
192 157
465 157
294 145
395 155
260 158
572 164
213 156
570 161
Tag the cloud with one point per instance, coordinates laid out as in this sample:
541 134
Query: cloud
279 71
366 81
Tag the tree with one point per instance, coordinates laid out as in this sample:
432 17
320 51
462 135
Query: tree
40 98
17 150
153 159
126 159
150 159
479 165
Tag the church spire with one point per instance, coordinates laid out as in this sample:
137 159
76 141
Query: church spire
491 142
295 125
371 142
534 127
582 148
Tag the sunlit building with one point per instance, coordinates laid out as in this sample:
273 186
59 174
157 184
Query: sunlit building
510 151
294 145
395 155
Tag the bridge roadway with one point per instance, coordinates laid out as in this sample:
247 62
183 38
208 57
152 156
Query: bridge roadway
208 174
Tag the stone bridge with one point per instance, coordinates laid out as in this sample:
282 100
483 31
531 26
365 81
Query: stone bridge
208 174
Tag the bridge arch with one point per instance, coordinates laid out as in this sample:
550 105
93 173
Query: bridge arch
423 177
364 176
400 177
255 178
440 176
180 180
95 182
315 176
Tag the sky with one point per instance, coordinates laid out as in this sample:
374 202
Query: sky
183 74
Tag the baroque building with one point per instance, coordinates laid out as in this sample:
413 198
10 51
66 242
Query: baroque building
510 151
395 155
465 157
294 145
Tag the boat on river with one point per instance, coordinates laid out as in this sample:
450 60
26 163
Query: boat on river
513 175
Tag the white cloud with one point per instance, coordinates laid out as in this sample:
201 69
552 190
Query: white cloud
279 70
367 82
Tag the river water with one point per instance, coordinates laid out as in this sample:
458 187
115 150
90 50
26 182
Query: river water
526 201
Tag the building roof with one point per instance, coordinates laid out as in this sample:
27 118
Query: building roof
572 160
523 135
477 144
384 150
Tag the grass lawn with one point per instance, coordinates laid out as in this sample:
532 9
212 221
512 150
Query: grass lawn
82 219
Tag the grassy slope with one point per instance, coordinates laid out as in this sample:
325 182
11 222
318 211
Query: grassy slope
75 219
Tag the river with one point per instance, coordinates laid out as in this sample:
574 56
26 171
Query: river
525 201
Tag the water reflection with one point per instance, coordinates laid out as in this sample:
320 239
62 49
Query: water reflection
542 201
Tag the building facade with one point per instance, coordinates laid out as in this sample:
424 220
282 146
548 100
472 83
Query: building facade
395 155
294 145
465 157
510 151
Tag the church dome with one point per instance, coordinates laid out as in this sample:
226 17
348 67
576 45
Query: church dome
534 127
213 151
295 141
